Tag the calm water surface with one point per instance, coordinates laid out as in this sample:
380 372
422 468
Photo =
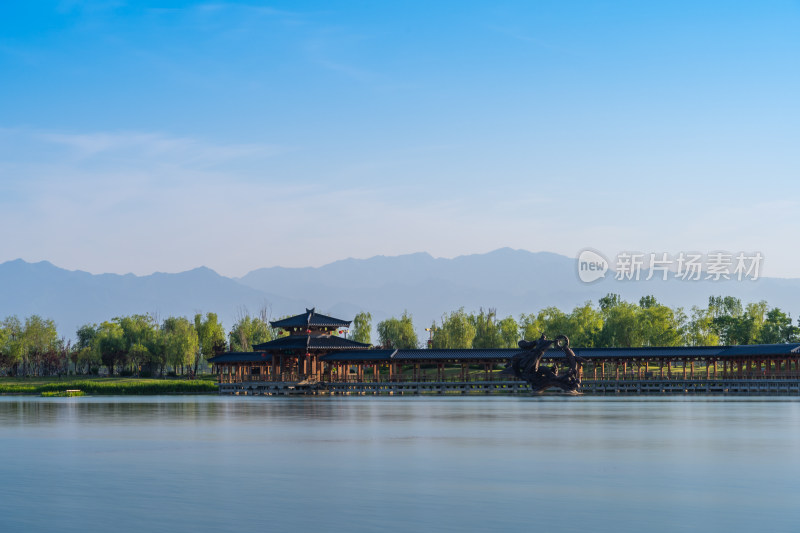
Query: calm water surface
399 464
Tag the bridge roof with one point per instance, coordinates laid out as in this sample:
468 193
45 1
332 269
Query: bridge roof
241 357
310 319
310 342
346 352
504 354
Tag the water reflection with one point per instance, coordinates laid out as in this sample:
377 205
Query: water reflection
362 464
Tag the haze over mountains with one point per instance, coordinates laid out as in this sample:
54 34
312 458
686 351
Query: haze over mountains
512 281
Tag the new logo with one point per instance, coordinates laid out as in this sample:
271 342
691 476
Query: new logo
591 266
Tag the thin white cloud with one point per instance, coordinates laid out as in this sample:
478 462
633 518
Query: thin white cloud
156 145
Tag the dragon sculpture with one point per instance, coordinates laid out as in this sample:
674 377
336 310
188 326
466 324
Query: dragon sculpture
527 365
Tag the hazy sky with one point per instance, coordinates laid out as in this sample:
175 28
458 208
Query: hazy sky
138 138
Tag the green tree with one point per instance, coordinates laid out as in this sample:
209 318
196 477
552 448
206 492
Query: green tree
529 326
86 335
493 333
137 332
700 330
487 329
646 302
362 328
621 323
777 328
457 331
584 325
398 332
83 355
249 331
157 348
109 344
550 321
661 325
509 332
733 324
180 341
41 344
210 336
609 300
12 348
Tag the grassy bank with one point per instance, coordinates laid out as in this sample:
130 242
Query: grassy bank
108 386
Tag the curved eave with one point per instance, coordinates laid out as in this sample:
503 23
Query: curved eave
240 357
311 342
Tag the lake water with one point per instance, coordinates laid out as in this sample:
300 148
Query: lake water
210 463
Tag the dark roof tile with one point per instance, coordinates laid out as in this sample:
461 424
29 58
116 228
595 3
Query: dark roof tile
310 342
310 319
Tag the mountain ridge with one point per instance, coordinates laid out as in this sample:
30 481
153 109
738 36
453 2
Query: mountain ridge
510 280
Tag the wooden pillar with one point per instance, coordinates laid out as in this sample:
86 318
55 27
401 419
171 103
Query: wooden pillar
463 372
669 369
691 369
624 370
603 370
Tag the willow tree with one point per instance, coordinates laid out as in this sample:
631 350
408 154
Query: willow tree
398 332
137 332
109 345
210 336
249 331
180 339
362 328
456 331
11 344
41 344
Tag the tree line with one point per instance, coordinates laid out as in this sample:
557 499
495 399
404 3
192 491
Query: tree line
143 345
136 345
611 323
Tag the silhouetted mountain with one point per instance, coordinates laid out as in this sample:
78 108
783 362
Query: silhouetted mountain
73 298
512 281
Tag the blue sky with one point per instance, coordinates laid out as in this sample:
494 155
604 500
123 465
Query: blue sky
141 137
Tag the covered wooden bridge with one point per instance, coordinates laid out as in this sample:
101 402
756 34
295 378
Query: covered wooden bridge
312 358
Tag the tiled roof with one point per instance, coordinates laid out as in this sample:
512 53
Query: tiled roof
456 354
240 357
310 319
359 355
348 350
760 349
643 352
311 342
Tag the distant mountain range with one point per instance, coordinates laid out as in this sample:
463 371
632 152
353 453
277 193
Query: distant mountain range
512 281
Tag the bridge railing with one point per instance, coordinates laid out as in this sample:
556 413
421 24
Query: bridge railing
482 376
